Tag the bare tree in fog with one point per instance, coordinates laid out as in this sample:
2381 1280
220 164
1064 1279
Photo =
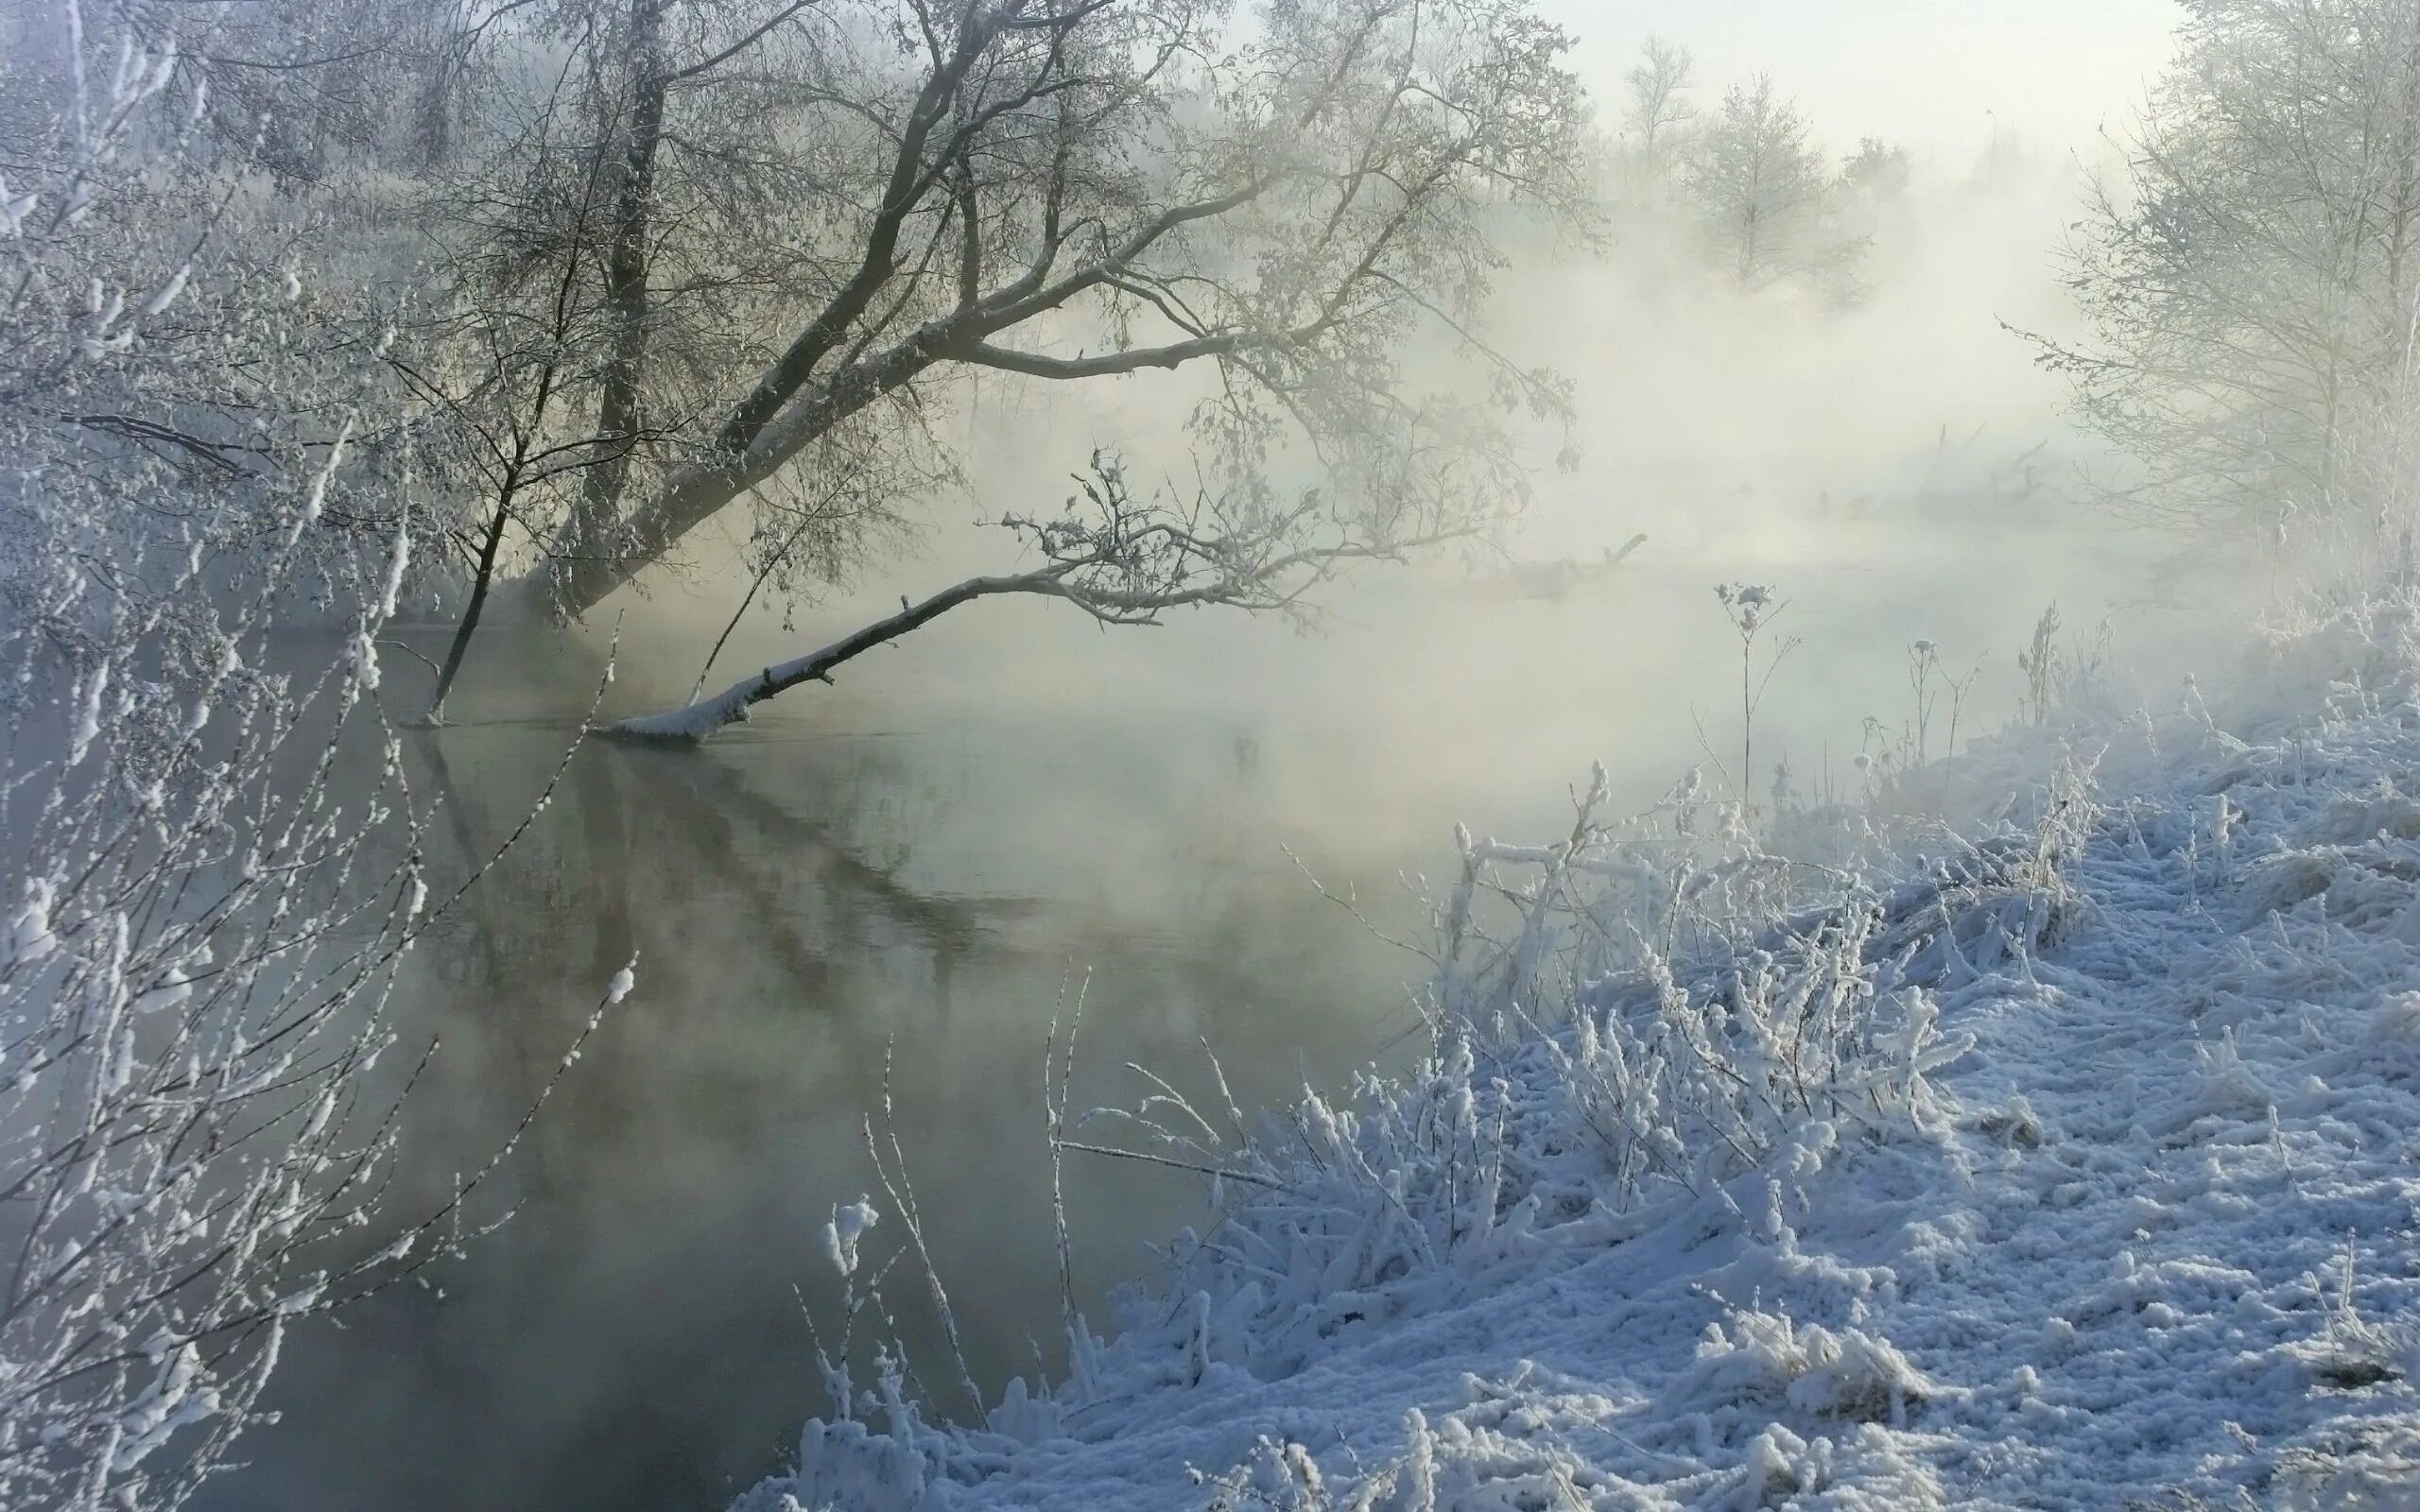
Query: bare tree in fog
1659 112
216 860
2249 286
1063 191
1766 197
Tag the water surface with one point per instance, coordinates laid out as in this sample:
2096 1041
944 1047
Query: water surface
903 881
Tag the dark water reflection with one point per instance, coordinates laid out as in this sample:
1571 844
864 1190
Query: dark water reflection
806 904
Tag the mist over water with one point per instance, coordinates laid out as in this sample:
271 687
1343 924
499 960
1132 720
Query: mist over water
883 894
1756 375
908 876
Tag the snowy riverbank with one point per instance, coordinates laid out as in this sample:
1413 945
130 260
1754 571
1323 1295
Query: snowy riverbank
2073 1167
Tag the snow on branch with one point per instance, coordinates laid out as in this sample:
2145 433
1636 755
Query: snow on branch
217 862
1124 559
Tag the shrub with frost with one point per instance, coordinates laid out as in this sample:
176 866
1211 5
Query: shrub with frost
1815 1371
1644 1023
214 867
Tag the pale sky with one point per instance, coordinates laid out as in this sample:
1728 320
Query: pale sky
1935 76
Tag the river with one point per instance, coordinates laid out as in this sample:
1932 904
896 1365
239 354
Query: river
910 876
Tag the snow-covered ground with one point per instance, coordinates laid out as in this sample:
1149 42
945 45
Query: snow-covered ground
2070 1164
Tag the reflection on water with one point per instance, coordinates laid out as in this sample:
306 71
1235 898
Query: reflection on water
915 869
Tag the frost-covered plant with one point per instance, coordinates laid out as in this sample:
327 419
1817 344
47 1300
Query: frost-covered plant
2041 665
2060 676
1664 1022
1665 1012
1445 1464
166 343
215 867
1752 608
1634 1023
878 1443
2248 344
2350 1352
1820 1372
1682 1091
1684 876
1890 760
1930 682
1121 556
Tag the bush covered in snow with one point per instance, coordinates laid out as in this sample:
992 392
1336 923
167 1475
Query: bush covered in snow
217 864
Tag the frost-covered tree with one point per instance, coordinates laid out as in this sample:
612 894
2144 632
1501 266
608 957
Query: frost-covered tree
2248 282
1057 190
1876 171
214 868
612 229
1765 196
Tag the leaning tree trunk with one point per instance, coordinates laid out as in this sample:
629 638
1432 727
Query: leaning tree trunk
703 716
480 583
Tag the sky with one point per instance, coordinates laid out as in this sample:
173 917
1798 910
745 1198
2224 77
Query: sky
1936 76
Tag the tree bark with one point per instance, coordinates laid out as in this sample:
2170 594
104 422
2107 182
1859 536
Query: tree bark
469 625
626 280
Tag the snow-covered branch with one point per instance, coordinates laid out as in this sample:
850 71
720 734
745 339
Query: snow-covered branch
215 869
1121 558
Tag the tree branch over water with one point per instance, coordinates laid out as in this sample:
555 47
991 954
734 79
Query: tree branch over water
1124 560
